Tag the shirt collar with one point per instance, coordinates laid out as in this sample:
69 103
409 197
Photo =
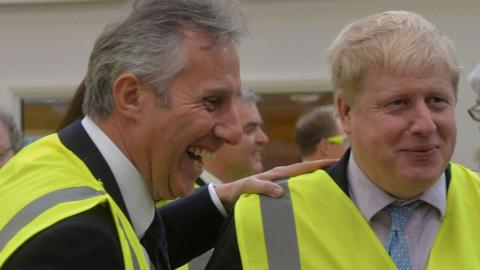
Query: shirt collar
208 178
370 199
133 188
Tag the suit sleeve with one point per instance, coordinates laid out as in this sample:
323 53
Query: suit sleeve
226 254
85 241
192 225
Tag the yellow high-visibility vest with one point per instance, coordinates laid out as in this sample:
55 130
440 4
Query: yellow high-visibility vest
317 226
46 183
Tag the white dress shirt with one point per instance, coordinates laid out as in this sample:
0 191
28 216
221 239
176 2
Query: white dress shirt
213 181
139 203
422 225
209 178
137 198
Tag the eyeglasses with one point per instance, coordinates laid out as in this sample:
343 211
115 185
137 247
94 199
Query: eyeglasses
475 112
337 139
5 151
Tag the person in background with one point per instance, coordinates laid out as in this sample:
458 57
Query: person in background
474 111
474 79
319 135
159 94
394 200
233 162
10 138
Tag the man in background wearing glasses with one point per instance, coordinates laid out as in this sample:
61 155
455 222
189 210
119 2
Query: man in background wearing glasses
10 138
318 135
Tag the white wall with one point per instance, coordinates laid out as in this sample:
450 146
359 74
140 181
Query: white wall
47 46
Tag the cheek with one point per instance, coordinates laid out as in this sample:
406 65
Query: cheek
448 134
374 135
448 126
188 130
200 124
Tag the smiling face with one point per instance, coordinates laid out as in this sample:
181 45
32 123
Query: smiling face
402 130
233 162
200 117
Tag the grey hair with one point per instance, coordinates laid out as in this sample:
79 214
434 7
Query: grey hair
13 132
247 94
148 44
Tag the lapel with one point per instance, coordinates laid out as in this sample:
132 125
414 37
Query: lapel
338 172
76 139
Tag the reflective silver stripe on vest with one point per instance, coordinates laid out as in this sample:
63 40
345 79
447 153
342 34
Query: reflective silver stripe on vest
40 205
279 231
136 266
200 262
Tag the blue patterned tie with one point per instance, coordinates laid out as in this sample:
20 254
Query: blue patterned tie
397 241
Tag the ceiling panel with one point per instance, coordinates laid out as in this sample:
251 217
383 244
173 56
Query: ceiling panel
15 2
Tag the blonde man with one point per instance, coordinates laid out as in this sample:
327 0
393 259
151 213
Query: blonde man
395 201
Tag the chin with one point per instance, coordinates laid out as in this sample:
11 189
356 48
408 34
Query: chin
422 179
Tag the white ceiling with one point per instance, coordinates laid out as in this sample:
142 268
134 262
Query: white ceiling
14 2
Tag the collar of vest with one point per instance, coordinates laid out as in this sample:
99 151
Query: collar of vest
76 139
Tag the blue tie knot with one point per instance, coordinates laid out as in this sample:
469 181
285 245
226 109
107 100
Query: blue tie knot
400 214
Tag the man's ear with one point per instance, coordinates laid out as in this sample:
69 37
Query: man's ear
127 92
344 114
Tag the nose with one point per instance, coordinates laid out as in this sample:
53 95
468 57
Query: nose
422 120
228 126
260 137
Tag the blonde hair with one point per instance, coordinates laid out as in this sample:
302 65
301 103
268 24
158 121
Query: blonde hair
398 42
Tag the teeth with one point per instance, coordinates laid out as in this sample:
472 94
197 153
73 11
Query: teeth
202 152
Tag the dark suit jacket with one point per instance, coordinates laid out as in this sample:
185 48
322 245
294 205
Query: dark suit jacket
226 254
89 240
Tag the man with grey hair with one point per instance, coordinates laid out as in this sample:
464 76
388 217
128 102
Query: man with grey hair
474 79
10 138
160 89
394 200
